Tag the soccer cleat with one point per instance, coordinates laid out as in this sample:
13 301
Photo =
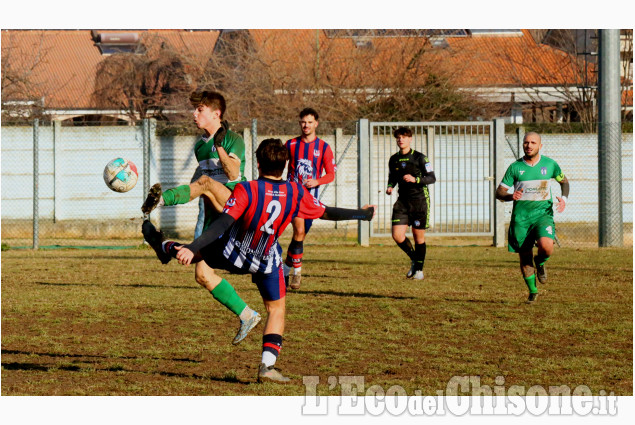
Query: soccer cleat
541 273
155 239
412 270
246 326
295 280
153 198
418 275
532 297
270 374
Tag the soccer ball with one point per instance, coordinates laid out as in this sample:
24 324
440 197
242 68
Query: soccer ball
121 175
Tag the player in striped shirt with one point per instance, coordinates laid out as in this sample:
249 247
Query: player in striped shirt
532 215
309 157
244 239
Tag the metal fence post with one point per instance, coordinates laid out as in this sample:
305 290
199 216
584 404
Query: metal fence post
339 137
610 230
145 129
363 181
57 161
520 137
36 182
254 146
499 171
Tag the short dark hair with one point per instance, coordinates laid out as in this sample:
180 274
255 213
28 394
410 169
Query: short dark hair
402 131
309 111
213 99
272 157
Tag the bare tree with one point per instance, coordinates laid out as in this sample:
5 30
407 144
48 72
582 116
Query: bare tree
144 83
563 64
382 79
24 89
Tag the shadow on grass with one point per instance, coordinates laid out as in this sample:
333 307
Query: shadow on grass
136 285
146 258
468 300
96 356
354 294
49 368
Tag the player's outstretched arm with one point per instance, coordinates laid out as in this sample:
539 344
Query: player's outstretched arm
216 229
366 213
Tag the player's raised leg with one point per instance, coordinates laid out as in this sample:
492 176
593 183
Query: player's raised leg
225 294
220 288
217 193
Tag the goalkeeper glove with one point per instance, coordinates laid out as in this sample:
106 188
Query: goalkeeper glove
220 133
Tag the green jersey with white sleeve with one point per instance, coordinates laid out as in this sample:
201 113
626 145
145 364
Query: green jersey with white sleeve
209 162
534 179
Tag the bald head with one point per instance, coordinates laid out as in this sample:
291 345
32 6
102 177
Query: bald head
531 145
533 135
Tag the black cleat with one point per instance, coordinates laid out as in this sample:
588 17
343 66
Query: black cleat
154 238
153 198
532 298
541 273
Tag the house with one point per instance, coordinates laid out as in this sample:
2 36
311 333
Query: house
56 71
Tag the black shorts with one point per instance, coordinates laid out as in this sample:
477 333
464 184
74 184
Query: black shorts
412 212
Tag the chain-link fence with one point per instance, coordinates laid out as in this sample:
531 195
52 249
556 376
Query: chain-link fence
74 206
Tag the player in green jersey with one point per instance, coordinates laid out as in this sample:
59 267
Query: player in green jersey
532 214
221 157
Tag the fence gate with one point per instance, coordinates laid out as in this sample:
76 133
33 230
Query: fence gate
462 156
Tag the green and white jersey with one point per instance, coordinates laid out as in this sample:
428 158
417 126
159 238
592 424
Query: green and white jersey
210 164
534 180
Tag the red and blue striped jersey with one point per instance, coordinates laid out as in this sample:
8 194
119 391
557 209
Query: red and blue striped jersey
262 209
309 160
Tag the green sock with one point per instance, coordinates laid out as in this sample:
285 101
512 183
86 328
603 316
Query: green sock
540 259
225 294
531 284
177 195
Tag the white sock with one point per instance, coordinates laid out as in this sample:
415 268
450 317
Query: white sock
297 270
268 358
246 313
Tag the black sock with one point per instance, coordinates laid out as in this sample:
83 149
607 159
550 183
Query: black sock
420 255
406 246
295 253
170 247
271 345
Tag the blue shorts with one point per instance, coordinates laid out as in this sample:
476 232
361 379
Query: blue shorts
271 285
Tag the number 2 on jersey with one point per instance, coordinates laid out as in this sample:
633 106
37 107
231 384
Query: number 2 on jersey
274 209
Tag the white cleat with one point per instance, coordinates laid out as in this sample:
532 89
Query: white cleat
418 275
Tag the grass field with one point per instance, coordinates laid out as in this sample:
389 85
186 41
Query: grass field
99 322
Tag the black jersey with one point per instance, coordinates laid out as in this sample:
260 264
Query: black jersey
417 165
